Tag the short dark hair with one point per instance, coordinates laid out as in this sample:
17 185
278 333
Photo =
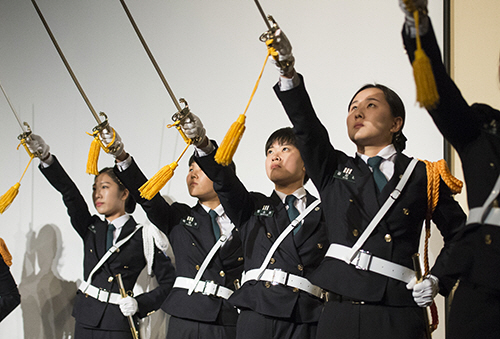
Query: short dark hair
282 136
397 110
130 202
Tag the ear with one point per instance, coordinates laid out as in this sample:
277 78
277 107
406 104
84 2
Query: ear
397 124
125 194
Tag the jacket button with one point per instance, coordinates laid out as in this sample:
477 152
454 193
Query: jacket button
269 235
317 208
355 232
487 239
91 250
110 279
222 274
240 258
406 211
272 261
117 250
300 267
267 284
492 164
388 238
125 267
197 267
193 244
320 245
295 289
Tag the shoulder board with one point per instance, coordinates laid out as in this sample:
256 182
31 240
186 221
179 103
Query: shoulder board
265 211
345 174
189 221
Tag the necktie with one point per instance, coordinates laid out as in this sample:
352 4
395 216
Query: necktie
292 210
215 225
109 236
378 176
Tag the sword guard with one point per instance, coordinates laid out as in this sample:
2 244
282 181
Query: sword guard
103 125
183 113
269 34
25 137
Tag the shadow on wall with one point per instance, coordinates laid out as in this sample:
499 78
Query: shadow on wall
46 299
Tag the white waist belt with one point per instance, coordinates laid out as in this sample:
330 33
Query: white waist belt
99 293
365 261
476 214
203 287
278 276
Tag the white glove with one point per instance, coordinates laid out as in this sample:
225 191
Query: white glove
35 144
425 291
128 306
421 5
193 127
282 45
106 136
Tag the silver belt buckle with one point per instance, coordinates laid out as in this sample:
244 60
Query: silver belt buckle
211 290
363 260
275 282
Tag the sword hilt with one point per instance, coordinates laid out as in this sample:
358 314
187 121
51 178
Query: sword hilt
104 126
179 117
25 137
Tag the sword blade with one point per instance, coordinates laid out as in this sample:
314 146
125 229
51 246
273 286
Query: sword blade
13 110
151 57
68 67
263 14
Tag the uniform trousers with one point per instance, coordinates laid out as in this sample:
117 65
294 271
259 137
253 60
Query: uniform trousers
190 329
272 328
475 313
82 332
345 319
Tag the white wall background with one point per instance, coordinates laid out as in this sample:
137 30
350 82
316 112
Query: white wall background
210 53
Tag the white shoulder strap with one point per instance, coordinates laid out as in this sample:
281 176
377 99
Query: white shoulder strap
382 211
478 214
283 235
209 257
111 250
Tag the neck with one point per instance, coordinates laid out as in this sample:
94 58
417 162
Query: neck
115 216
370 151
288 189
210 203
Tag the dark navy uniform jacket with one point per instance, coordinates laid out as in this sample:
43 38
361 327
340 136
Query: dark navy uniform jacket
474 132
129 260
260 220
9 294
351 202
190 232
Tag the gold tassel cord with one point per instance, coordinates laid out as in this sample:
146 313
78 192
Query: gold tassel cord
436 171
225 152
4 251
95 148
9 196
156 183
427 94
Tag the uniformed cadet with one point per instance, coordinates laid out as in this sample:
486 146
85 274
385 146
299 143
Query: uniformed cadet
473 132
368 266
205 279
276 298
113 246
9 293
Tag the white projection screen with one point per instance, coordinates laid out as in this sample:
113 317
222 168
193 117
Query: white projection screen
210 53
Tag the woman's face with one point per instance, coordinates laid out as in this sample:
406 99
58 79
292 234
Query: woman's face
107 197
199 185
370 122
284 164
